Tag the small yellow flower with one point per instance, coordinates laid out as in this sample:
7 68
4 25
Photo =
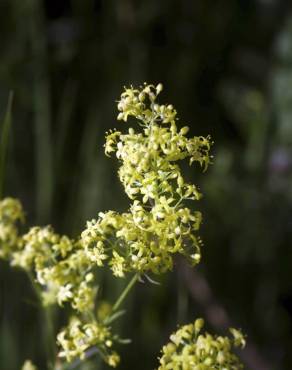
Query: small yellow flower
113 359
28 365
189 349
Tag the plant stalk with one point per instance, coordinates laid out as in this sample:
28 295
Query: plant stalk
48 324
125 292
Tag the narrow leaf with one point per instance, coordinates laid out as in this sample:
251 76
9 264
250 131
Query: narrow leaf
5 125
115 316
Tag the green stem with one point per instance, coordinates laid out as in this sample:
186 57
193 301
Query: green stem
125 292
93 350
49 329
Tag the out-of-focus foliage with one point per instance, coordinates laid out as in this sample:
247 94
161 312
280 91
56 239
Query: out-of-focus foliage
228 69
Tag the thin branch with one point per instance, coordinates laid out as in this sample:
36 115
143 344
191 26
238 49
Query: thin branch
125 292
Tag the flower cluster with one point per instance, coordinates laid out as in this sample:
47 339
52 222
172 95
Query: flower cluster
58 265
63 272
158 224
10 213
79 337
190 349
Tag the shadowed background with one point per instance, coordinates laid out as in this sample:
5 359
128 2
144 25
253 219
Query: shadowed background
227 68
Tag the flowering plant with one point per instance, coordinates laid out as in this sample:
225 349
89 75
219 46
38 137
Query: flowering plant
142 241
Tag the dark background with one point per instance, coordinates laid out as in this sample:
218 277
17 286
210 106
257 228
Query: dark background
227 68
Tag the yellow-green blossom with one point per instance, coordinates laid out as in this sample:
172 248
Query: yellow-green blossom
11 213
78 337
59 265
189 349
104 310
113 359
28 365
158 225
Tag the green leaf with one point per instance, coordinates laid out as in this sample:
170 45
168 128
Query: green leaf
114 316
5 125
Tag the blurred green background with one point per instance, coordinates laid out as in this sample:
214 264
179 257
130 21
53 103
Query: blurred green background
227 68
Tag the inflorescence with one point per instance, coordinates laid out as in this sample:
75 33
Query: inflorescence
158 225
189 349
143 240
